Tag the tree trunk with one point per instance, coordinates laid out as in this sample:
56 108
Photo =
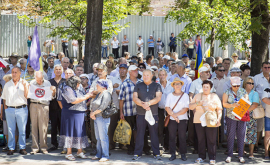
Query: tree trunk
259 41
93 34
225 52
79 57
212 46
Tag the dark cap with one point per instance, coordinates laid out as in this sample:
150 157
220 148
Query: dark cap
101 66
134 57
184 55
133 61
123 66
243 67
112 55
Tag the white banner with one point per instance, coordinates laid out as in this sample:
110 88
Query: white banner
39 93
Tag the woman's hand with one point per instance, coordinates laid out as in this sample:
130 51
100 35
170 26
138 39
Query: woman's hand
235 105
92 114
175 117
218 123
199 103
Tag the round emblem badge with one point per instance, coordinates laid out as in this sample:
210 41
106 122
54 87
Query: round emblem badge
39 92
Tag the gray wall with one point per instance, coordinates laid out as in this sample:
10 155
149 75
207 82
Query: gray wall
13 37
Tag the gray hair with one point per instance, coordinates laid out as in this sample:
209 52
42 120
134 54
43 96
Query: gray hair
77 67
65 58
181 63
210 60
148 70
23 60
162 69
175 54
69 70
73 82
58 65
155 61
39 72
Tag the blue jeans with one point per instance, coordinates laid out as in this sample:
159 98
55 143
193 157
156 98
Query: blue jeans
19 117
104 49
101 132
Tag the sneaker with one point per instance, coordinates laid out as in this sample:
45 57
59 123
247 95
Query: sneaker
212 162
5 149
228 159
241 160
136 157
103 160
158 157
199 160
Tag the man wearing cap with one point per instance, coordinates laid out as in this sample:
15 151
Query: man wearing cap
51 67
133 62
125 42
245 68
185 59
126 105
117 81
166 89
235 62
13 58
111 57
234 72
151 45
146 96
140 44
54 108
165 66
115 72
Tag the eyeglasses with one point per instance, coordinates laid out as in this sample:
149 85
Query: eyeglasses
177 83
266 67
83 78
250 83
222 70
154 69
236 86
147 88
141 67
208 72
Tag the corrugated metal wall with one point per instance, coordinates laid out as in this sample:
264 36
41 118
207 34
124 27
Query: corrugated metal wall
14 35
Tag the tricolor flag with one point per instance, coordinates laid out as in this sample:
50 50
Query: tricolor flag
199 61
207 52
35 53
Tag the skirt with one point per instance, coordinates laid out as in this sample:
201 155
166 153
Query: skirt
72 131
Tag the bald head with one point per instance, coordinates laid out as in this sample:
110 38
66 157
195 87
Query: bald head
39 77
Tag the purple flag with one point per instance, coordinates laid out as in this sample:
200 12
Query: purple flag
35 52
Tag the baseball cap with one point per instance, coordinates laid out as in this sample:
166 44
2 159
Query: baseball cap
111 55
203 69
154 68
235 81
123 66
52 54
184 55
132 67
133 61
151 35
235 69
166 57
84 75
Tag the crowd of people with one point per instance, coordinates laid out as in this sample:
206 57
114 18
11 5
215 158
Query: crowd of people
165 85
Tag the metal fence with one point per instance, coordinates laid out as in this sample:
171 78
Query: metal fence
13 37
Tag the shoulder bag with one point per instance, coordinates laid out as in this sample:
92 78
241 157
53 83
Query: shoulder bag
110 110
258 112
167 118
210 117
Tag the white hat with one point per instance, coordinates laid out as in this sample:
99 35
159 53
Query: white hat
167 57
203 69
151 35
84 75
132 67
154 67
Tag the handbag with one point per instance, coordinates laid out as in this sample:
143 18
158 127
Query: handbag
246 116
210 117
258 112
110 110
167 118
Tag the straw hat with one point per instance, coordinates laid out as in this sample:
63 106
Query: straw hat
177 80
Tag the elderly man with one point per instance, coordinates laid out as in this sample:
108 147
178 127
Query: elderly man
155 62
165 66
226 64
54 108
175 56
39 112
218 60
151 45
185 59
125 42
115 72
23 62
94 75
146 96
61 55
15 102
166 89
51 67
13 58
79 70
65 64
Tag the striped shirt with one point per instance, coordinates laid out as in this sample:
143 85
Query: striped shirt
126 94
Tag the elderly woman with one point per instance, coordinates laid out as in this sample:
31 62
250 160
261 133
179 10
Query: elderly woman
110 66
176 106
99 104
202 102
72 131
230 101
251 133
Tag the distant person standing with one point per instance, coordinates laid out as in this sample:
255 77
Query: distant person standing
151 45
65 46
159 46
125 45
104 48
29 41
75 48
140 44
197 41
190 48
115 47
184 46
172 43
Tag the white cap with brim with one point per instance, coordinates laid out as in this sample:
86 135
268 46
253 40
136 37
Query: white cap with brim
132 67
203 69
167 57
84 75
154 67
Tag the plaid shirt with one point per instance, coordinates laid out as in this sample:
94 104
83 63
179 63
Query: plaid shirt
126 94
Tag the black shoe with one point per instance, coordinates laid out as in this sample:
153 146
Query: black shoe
94 152
130 152
172 158
195 152
23 152
53 148
10 152
158 157
147 152
5 149
183 157
27 136
136 157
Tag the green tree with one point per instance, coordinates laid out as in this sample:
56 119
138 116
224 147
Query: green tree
224 20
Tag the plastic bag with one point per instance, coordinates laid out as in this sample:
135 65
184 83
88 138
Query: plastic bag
122 133
203 120
149 117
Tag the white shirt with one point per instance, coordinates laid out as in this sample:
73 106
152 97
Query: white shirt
75 42
116 80
140 42
196 87
267 107
260 83
165 91
183 103
115 44
218 85
14 95
235 64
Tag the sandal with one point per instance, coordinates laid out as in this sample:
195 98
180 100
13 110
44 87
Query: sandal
251 157
228 159
81 155
199 160
241 160
70 157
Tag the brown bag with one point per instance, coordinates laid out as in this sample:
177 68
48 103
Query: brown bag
167 118
210 117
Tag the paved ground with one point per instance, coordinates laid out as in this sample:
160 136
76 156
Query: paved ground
118 157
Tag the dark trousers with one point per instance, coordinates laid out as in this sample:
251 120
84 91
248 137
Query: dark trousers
55 117
115 53
132 122
206 135
153 130
113 124
190 53
65 51
172 48
151 50
28 124
93 136
124 49
181 127
192 135
161 118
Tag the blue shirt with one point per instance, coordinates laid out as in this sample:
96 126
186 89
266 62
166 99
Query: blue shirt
187 82
173 41
166 68
151 45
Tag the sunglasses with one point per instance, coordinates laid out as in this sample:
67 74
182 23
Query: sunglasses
250 83
236 86
222 70
141 67
154 69
266 67
84 79
29 66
